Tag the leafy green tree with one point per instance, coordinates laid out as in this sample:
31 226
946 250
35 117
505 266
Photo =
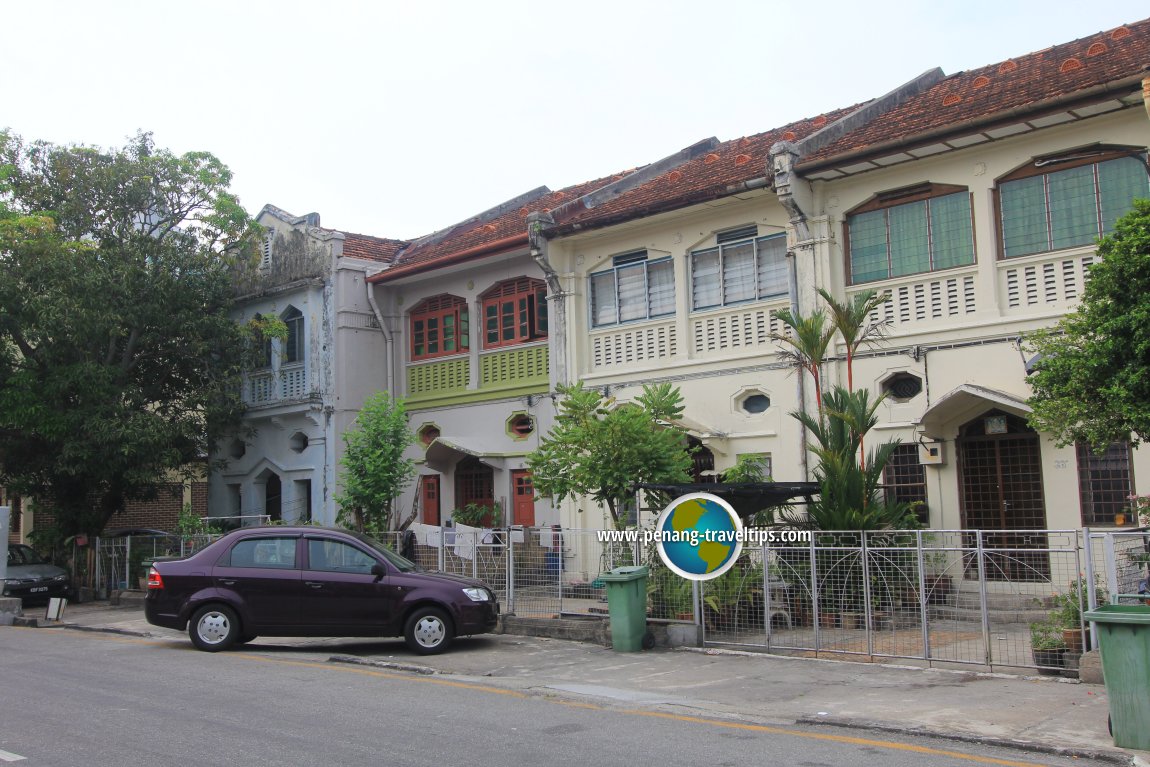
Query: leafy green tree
1092 379
601 451
375 470
119 362
806 344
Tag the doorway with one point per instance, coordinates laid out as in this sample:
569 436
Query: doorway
523 498
1000 472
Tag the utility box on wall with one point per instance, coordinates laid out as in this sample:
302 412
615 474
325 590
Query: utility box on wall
931 453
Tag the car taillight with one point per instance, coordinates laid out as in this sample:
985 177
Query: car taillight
155 580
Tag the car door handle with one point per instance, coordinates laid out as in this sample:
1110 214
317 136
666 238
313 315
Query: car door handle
227 582
314 584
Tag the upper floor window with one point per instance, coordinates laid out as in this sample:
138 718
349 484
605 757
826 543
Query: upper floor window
917 229
634 288
1067 200
293 345
439 327
514 312
741 267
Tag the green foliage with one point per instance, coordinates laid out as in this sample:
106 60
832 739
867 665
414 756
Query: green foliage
1046 635
1092 380
375 470
806 344
850 497
119 361
1068 605
476 515
601 451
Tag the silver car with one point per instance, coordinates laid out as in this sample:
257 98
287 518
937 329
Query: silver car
32 578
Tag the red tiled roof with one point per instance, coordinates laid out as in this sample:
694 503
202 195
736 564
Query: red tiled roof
512 224
373 248
985 94
709 176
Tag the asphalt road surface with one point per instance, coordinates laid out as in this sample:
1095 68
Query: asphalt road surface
75 698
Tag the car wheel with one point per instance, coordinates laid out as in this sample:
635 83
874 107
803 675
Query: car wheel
214 628
428 631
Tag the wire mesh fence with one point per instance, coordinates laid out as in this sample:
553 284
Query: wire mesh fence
940 596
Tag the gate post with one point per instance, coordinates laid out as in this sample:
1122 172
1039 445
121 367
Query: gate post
922 598
982 597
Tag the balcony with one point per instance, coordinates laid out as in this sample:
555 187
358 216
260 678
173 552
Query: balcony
266 387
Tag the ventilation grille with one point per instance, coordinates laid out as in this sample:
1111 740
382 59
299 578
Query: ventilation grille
623 347
435 377
516 366
927 300
740 330
1050 282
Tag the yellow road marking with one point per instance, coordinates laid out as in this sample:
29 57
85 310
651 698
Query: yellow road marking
352 669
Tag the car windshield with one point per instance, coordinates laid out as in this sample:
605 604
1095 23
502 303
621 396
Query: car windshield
402 564
24 555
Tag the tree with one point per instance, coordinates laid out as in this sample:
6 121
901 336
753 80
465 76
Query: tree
1091 382
849 477
375 471
600 451
119 362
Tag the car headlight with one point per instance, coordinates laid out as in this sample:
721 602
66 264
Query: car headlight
60 578
477 595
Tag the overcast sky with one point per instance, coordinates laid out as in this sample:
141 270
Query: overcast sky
397 119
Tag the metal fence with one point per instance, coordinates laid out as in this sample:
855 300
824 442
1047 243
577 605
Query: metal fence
938 596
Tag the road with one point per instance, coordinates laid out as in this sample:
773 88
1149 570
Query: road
77 698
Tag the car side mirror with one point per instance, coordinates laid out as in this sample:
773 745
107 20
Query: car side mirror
379 571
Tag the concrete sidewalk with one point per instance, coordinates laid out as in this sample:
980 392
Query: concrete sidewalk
1049 715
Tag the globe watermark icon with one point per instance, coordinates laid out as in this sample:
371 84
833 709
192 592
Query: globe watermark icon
699 536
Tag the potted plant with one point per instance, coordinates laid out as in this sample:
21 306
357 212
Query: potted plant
1048 647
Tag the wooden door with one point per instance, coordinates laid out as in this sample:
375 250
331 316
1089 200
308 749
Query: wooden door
429 499
523 498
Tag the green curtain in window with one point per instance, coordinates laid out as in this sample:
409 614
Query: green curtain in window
909 239
1073 207
869 256
739 272
772 265
705 278
1120 182
952 240
660 288
1024 221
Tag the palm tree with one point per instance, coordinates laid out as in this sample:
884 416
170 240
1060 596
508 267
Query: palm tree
852 322
808 341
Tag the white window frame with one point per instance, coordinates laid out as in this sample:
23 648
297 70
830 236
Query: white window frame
723 246
627 263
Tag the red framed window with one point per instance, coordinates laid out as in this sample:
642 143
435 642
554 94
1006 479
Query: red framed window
439 327
514 312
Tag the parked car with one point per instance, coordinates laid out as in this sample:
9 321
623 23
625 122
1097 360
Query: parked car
312 581
33 578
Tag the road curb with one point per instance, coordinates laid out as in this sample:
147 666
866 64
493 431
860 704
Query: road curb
391 665
100 630
1113 757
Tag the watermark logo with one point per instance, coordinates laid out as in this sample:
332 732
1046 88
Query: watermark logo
699 536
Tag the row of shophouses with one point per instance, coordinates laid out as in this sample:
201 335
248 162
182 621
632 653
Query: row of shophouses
973 200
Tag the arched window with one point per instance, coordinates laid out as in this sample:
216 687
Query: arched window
293 346
514 312
1067 200
439 327
922 228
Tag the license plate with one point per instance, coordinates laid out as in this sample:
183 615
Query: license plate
34 589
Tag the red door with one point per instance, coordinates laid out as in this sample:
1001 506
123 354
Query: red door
429 498
523 498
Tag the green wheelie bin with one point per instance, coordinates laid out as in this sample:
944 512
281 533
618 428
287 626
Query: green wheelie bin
627 604
1124 639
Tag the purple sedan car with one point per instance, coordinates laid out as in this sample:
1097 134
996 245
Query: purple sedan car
312 581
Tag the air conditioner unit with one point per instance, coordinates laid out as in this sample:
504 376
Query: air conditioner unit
931 453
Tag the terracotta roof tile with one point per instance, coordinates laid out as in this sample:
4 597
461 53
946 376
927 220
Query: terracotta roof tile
372 248
707 177
507 225
1021 82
